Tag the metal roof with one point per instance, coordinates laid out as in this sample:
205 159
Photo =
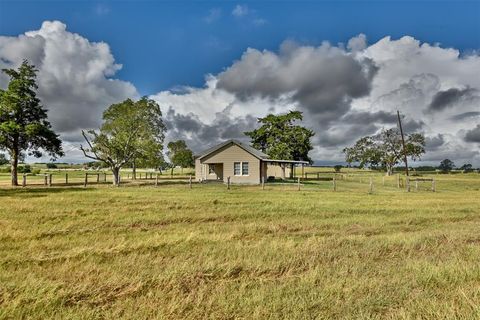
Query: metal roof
257 153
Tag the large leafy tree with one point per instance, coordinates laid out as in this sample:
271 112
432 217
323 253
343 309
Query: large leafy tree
385 149
24 126
446 165
280 138
131 130
180 154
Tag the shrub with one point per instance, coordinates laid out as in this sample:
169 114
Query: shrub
24 169
36 171
5 170
51 166
338 167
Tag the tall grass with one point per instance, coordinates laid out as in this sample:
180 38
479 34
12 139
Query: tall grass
174 253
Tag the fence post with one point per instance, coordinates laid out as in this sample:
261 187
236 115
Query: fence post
433 185
98 177
371 186
334 183
86 180
318 175
66 178
228 183
50 180
190 181
298 183
24 180
407 181
416 185
398 180
45 177
128 175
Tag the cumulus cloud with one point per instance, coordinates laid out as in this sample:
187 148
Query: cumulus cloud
74 77
322 81
345 92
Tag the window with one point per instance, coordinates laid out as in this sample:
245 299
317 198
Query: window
244 168
211 169
236 168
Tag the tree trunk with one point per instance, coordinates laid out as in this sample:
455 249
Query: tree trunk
389 170
116 176
134 170
14 167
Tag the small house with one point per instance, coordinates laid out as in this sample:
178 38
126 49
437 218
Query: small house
242 163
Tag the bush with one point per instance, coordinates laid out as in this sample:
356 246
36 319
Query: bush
36 171
338 167
51 166
24 169
5 170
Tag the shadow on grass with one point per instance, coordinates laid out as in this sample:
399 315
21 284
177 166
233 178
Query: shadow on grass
36 192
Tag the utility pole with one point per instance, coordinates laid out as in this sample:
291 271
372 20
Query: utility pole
403 143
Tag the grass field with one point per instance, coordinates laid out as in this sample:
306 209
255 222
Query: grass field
171 252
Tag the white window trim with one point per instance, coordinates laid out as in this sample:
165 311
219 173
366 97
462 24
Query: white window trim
241 169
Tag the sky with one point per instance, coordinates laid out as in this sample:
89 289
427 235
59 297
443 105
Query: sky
215 66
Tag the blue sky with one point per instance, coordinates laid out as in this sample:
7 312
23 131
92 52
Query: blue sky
163 44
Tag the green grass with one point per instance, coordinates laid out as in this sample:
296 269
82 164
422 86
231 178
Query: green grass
169 252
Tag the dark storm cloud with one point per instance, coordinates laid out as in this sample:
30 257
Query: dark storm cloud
321 81
344 135
200 135
465 115
435 142
448 98
473 135
370 117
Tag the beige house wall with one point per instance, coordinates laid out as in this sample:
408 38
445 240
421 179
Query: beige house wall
224 159
227 156
275 170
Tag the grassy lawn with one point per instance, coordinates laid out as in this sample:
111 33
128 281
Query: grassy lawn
171 252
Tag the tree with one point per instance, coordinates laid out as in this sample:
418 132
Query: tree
151 152
385 149
446 165
3 159
280 138
24 125
131 130
467 167
180 154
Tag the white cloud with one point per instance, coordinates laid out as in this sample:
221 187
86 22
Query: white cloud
240 10
74 76
344 92
408 76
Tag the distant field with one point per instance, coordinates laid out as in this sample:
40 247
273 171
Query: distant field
171 252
